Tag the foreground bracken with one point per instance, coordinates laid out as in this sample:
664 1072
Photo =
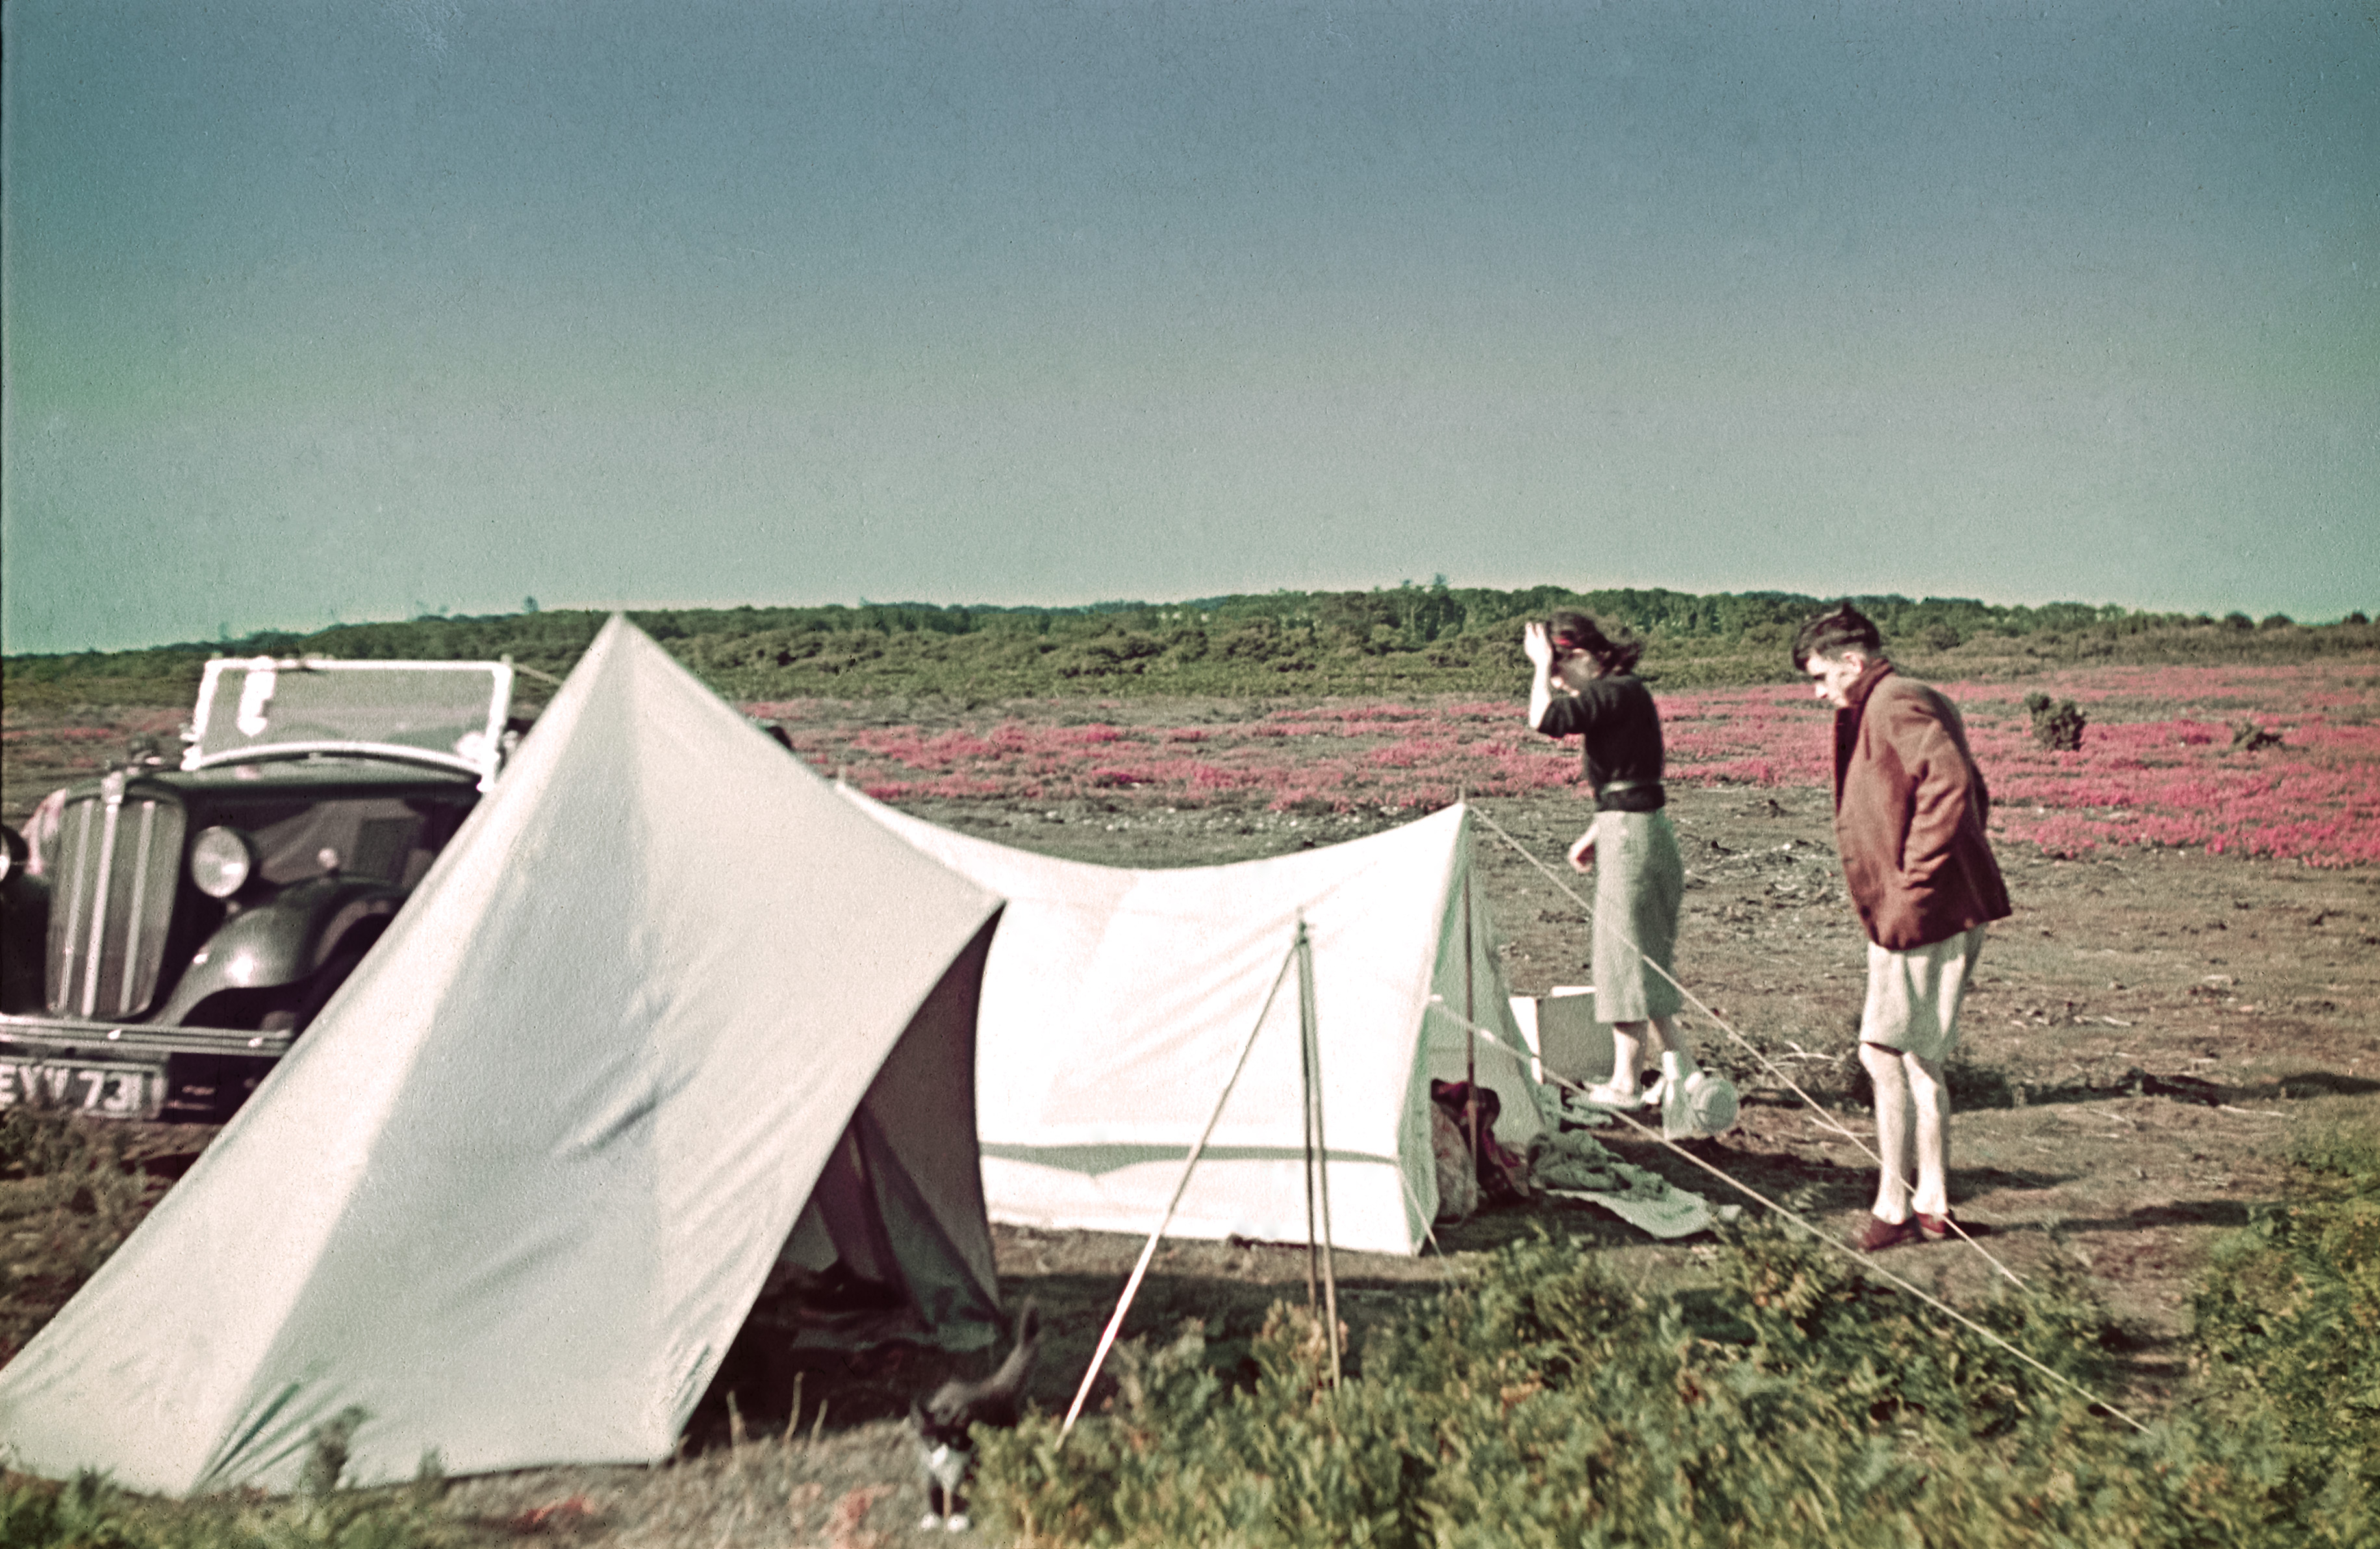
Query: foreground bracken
1789 1402
1540 1400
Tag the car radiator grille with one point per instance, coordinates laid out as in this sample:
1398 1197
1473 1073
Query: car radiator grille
119 858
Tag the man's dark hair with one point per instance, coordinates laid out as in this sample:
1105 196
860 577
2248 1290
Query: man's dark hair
1839 629
1574 630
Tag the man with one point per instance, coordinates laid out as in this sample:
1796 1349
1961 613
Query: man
1910 807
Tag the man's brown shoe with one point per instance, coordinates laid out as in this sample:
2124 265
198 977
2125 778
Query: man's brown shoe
1881 1234
1934 1228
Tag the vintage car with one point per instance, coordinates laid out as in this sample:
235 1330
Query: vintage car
165 932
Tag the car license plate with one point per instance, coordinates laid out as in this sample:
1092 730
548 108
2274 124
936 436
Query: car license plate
101 1091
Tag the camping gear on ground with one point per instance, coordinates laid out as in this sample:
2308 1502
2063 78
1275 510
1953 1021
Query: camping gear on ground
665 1010
1575 1052
1563 1032
1458 1174
1692 1101
1568 1165
1503 1173
1116 1002
1706 1104
1572 1046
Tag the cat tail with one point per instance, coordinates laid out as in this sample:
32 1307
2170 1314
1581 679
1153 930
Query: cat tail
1018 1370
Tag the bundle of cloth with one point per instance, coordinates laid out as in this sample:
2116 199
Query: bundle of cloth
1569 1164
1498 1176
1563 1162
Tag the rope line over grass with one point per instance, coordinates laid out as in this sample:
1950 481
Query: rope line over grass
1491 1038
1132 1285
1825 1118
1857 1258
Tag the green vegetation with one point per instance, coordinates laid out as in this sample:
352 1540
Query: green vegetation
66 1185
1786 1401
2056 724
1410 639
2288 1314
1790 1403
89 1513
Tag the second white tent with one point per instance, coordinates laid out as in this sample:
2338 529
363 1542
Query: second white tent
1116 1002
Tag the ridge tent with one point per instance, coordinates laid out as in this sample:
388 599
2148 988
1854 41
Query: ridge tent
516 1189
1116 1001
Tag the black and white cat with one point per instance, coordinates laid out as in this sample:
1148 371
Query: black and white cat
943 1425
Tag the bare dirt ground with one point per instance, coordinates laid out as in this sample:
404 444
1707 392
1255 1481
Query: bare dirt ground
2147 1036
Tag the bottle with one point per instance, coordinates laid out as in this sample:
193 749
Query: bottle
1677 1110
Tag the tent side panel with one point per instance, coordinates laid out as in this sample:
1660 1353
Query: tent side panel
1262 1198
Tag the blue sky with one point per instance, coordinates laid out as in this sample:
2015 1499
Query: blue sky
321 311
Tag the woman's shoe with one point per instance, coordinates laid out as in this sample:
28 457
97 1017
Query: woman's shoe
1608 1095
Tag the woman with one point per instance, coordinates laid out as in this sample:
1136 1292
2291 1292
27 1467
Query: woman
1585 686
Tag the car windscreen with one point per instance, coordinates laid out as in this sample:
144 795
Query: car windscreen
450 713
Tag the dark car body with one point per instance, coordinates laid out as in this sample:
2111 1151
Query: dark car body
167 932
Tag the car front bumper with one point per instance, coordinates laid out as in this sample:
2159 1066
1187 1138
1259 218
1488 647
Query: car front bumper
126 1070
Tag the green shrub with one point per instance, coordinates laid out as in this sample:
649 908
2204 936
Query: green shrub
1406 640
86 1511
1540 1401
2287 1318
2247 736
89 1513
2056 723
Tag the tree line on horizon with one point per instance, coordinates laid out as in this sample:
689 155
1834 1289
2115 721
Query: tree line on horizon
1406 639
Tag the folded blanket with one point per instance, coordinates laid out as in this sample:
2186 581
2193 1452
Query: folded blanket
1573 1166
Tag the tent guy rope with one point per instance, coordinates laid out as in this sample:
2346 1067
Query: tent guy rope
1826 1119
1862 1260
1149 1252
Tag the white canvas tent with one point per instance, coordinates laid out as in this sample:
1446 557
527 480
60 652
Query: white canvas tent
1116 1001
514 1191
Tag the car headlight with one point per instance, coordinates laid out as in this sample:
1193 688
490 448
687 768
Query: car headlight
221 862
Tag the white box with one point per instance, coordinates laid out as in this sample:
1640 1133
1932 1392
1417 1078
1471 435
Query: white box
1564 1035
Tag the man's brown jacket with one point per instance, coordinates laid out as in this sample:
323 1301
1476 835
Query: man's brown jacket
1910 808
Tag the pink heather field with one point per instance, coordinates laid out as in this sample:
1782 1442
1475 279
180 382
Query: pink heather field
2157 764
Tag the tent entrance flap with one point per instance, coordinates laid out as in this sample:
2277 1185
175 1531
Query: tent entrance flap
939 1282
891 1243
838 1237
867 1262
